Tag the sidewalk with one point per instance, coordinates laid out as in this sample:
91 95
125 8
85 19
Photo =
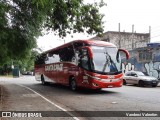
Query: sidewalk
18 98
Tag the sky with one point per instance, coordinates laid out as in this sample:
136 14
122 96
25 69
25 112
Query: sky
140 13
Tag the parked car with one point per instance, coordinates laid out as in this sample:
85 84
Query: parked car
140 79
27 73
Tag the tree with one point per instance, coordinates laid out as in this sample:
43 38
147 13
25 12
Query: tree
22 21
23 65
28 63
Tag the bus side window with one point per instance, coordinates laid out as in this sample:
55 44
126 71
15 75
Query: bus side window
47 60
40 59
83 60
55 58
67 55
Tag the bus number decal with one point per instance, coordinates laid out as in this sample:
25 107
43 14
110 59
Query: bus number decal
55 67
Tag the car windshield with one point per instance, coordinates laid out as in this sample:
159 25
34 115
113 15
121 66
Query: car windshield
140 74
106 60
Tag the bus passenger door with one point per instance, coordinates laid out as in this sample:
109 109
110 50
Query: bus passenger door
83 59
83 64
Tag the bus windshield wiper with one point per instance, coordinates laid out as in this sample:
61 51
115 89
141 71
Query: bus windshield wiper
109 62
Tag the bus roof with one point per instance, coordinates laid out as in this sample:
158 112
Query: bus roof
86 42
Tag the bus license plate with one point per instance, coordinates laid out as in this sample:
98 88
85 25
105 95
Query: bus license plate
110 86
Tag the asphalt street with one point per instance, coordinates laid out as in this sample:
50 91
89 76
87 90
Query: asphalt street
27 94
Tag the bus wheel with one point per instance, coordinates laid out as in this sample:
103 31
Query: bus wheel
73 84
98 89
124 82
154 85
43 80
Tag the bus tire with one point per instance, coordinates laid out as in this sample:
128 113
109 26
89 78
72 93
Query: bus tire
72 84
154 85
124 82
98 89
43 80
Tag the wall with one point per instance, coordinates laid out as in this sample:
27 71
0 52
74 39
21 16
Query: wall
150 66
126 40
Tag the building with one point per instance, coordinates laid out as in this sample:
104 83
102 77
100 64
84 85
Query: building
126 40
145 59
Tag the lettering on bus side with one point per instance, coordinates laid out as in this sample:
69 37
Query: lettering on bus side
55 67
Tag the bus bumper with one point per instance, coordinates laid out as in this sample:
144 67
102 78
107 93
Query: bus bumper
95 84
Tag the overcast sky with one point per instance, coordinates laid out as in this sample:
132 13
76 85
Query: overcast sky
141 13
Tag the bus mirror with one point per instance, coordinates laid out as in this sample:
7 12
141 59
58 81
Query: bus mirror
124 51
117 56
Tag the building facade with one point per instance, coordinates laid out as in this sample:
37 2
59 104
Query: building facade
145 59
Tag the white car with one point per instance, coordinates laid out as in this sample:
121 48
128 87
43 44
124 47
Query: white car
138 78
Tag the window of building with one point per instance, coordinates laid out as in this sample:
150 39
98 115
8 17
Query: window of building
145 56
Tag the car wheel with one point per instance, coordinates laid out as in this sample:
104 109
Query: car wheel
140 83
124 82
73 85
154 85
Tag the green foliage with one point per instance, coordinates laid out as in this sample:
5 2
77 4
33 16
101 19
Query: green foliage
23 64
22 21
18 30
72 15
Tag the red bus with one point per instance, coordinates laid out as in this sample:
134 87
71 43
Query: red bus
89 64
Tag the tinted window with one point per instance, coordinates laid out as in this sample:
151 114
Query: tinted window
133 74
128 74
67 54
40 59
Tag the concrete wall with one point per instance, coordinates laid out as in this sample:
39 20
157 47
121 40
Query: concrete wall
126 40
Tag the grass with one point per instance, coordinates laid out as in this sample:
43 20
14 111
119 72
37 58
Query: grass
6 75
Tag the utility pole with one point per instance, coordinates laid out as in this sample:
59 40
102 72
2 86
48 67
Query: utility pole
132 37
119 29
149 39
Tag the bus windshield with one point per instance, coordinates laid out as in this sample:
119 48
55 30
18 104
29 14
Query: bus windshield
106 60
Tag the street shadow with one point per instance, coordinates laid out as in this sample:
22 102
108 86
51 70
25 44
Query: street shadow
147 86
95 92
82 91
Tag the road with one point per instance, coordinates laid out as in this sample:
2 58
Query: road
27 94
